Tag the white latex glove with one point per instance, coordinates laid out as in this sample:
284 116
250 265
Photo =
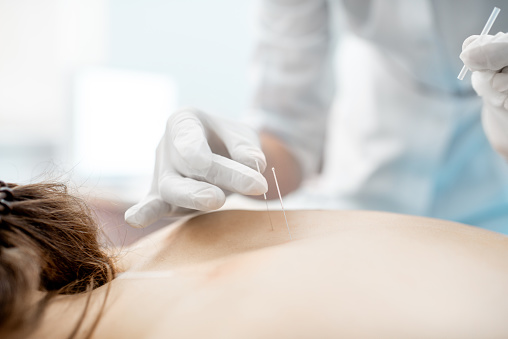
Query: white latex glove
487 57
190 176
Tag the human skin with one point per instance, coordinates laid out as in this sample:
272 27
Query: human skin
345 274
278 156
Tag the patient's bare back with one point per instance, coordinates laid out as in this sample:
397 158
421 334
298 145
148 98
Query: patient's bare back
349 274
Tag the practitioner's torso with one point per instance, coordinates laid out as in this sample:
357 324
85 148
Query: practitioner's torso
405 133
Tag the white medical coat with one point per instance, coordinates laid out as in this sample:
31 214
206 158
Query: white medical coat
365 93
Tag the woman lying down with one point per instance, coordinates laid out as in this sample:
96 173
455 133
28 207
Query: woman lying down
229 275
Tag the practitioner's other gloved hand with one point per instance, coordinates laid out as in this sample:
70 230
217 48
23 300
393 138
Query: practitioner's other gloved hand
199 158
487 57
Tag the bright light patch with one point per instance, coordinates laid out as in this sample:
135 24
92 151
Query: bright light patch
119 117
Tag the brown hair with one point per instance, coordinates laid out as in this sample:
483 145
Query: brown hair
48 242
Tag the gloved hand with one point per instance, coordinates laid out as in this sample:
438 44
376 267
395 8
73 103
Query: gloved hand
189 175
487 57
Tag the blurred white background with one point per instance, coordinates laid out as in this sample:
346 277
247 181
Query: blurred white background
86 85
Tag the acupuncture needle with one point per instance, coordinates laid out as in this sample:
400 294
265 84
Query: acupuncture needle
281 204
266 202
485 31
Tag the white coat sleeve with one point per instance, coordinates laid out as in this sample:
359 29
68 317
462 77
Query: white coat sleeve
293 76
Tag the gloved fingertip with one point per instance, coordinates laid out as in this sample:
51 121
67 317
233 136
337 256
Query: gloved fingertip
251 157
469 41
263 186
472 54
146 212
209 199
485 52
132 218
261 161
256 186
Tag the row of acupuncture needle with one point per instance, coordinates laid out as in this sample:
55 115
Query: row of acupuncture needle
281 203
